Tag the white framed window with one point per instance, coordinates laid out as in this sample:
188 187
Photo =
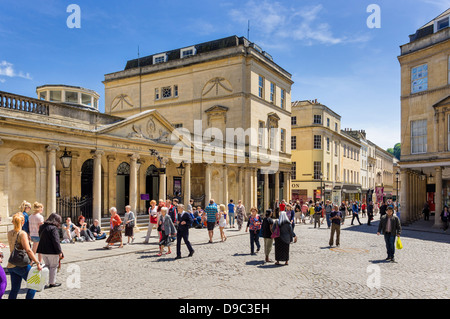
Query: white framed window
282 98
418 136
419 78
441 24
261 86
272 92
261 134
159 58
187 52
317 142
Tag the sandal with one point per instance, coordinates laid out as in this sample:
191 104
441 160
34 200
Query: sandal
169 252
159 254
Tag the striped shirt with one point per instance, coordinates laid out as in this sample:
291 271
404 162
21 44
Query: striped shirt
211 211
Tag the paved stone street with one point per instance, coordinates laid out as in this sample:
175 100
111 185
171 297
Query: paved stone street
227 270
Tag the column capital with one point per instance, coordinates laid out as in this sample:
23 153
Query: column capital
52 148
98 153
134 156
111 158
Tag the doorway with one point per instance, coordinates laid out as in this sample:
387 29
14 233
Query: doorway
122 187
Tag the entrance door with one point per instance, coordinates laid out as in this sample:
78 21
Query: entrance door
87 178
152 185
122 187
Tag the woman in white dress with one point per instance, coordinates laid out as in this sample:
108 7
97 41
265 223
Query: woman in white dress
222 221
153 219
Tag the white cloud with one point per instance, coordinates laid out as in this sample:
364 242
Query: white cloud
272 20
7 69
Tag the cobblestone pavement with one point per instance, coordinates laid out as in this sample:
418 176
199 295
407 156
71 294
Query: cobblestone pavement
354 270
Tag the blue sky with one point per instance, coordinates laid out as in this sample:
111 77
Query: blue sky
326 45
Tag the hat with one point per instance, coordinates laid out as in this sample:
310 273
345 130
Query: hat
390 207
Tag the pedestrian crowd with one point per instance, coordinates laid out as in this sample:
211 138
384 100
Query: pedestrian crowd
40 239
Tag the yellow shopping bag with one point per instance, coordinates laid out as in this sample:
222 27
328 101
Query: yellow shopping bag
399 244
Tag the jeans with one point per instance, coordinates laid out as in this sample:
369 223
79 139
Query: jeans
390 244
17 274
327 215
231 218
357 218
254 239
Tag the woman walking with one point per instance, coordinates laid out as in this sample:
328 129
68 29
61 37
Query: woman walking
153 219
283 241
129 221
50 248
254 224
165 225
240 214
18 239
25 209
115 232
222 221
35 221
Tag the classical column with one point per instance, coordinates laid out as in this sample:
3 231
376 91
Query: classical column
404 207
97 187
277 187
187 184
163 181
111 181
240 188
75 187
51 178
249 189
287 185
266 192
225 185
438 198
207 183
133 182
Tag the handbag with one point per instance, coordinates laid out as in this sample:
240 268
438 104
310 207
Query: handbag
276 232
19 257
399 244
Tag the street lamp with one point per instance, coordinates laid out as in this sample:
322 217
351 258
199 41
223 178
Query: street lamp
396 177
321 187
181 169
66 159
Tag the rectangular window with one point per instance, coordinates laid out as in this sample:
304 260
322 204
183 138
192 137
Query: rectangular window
283 99
336 127
175 90
294 142
441 24
159 58
85 99
261 87
419 78
328 122
418 136
335 148
294 120
166 92
188 52
55 96
272 92
294 171
317 119
260 133
71 97
156 94
317 142
178 125
328 144
272 137
317 170
283 140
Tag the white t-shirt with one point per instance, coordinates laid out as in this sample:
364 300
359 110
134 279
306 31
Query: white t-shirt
35 220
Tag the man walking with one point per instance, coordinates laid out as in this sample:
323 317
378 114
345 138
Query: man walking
317 214
369 212
185 222
391 228
328 209
231 210
336 219
355 211
211 213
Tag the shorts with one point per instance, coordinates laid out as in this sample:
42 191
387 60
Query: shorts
210 225
35 239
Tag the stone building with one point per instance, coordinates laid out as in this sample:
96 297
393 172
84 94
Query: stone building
425 120
208 121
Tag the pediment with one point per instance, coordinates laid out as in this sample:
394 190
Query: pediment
445 102
146 126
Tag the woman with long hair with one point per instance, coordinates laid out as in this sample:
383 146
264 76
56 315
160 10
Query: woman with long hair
283 241
17 238
35 221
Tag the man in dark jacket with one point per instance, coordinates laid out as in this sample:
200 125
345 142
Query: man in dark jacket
185 222
391 228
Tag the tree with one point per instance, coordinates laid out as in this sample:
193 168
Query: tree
395 151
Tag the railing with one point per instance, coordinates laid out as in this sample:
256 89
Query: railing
74 207
23 103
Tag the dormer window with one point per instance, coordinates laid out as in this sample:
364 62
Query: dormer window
159 58
441 24
186 52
